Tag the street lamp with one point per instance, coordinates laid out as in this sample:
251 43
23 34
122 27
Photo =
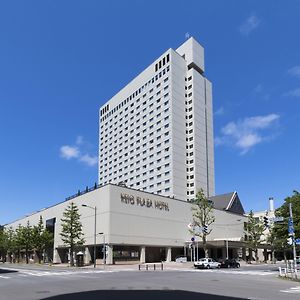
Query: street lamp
103 249
95 209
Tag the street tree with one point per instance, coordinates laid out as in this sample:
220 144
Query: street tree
279 231
254 229
202 210
42 239
10 237
71 233
3 244
26 239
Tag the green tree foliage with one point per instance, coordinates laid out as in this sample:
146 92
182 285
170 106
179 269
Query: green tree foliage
279 232
71 233
10 238
202 210
3 244
254 229
25 239
42 239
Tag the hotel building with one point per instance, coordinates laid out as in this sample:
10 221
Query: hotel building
156 134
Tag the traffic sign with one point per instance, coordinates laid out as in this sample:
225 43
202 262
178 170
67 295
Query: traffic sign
278 219
291 226
297 241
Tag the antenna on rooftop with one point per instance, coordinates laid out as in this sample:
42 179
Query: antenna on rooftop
187 35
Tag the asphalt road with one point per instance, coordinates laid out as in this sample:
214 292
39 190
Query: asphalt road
251 282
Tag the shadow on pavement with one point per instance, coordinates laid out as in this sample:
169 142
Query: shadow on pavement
138 295
2 271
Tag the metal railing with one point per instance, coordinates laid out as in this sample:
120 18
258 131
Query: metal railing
153 267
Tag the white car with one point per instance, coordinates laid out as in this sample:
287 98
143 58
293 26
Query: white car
207 263
181 259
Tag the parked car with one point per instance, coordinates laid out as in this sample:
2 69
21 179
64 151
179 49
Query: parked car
181 259
230 263
207 263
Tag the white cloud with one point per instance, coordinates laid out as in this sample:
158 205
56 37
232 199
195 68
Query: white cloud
76 152
293 93
69 152
294 71
89 160
249 25
245 134
79 140
219 112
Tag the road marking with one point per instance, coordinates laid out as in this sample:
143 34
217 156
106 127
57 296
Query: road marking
292 290
4 277
259 273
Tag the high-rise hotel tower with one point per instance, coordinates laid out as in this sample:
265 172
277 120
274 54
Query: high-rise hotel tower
156 134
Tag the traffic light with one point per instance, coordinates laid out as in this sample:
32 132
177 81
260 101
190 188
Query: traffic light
205 229
266 221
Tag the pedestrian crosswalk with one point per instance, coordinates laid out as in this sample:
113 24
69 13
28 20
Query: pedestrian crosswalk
292 290
23 273
34 273
234 272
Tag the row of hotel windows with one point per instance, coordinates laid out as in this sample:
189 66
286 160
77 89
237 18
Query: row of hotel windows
162 62
133 157
166 102
131 145
134 123
119 140
167 181
131 165
111 147
165 88
133 132
137 92
189 139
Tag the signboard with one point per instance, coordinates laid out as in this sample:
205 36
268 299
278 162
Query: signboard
278 219
290 226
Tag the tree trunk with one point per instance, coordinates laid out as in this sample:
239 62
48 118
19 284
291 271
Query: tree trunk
256 255
71 257
205 246
27 258
273 256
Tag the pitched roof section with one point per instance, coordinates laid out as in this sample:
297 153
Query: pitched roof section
229 202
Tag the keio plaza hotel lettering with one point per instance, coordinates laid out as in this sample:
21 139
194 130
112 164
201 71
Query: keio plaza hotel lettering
130 199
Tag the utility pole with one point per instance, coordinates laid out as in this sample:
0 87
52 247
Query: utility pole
292 234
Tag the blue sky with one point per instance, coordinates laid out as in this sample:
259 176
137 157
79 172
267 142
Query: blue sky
61 60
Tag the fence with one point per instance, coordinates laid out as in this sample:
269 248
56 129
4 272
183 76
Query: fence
149 267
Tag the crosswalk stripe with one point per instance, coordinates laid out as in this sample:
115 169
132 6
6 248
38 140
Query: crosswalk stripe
259 273
292 290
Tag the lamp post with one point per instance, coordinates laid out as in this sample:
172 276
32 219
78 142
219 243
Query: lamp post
95 210
104 249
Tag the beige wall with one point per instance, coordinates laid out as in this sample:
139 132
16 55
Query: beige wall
126 223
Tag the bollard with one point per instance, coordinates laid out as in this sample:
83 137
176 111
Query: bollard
147 267
139 267
154 267
280 274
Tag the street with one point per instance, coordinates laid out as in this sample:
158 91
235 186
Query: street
43 282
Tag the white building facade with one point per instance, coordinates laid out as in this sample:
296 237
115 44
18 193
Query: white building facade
156 134
137 226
